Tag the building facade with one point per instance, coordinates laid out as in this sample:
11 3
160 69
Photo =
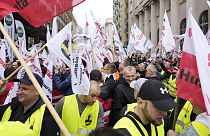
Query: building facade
148 15
120 18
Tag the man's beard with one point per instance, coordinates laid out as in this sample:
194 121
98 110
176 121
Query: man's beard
148 117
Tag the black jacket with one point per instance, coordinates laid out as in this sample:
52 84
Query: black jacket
49 126
107 90
123 95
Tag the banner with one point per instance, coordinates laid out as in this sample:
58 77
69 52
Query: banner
21 35
10 28
38 12
57 42
79 81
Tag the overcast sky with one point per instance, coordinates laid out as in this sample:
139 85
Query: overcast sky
102 9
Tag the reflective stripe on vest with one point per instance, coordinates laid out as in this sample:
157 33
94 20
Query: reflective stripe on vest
83 131
184 117
125 122
34 122
76 124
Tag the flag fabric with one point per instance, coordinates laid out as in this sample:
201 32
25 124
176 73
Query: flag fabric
48 35
86 30
48 79
2 58
87 57
100 29
141 43
167 36
21 35
38 12
79 80
9 25
194 75
54 26
6 9
130 48
54 45
35 62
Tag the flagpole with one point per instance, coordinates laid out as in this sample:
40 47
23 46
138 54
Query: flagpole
175 114
34 81
29 59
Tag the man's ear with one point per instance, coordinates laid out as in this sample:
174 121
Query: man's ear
140 102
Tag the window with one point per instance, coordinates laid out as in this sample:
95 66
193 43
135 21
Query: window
203 21
182 31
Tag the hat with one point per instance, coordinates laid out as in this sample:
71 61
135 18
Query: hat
25 79
157 93
136 84
95 75
8 71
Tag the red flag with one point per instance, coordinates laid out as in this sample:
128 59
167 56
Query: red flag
6 9
37 12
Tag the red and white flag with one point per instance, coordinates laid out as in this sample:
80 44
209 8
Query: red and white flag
37 12
194 75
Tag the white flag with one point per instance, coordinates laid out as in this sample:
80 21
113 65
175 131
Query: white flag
2 58
130 48
48 79
54 26
167 36
141 43
48 35
55 44
79 80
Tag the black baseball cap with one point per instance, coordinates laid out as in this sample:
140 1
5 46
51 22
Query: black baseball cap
157 93
25 79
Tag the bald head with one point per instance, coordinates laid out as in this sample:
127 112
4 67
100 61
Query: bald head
94 86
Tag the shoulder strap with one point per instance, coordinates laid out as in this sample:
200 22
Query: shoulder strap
131 117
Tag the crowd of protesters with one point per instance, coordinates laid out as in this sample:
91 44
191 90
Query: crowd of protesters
134 97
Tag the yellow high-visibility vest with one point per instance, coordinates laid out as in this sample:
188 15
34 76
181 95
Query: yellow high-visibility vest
15 128
127 123
76 124
34 122
184 117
